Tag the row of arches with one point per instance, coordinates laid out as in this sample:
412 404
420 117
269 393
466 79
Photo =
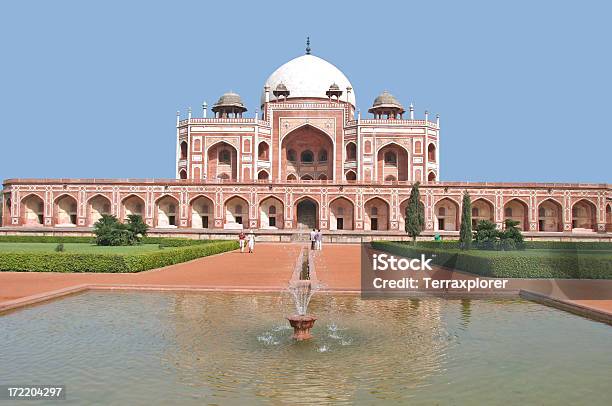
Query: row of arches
271 212
549 214
305 150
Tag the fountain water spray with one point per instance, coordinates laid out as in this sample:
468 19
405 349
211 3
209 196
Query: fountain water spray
302 286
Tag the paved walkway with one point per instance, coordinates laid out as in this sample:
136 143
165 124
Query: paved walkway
269 268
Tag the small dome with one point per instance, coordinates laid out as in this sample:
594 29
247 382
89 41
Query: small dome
281 87
386 99
231 102
229 99
334 86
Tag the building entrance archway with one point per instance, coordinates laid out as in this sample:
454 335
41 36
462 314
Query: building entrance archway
306 214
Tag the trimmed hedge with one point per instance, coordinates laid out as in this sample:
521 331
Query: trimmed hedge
112 263
514 264
534 245
163 241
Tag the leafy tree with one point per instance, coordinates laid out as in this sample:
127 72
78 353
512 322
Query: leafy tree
415 214
137 226
511 238
486 235
110 231
465 233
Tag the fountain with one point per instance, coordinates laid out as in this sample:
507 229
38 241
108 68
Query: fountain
302 286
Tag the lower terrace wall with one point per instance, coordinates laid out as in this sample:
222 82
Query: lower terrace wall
169 206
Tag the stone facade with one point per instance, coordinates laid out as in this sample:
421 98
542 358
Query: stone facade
304 162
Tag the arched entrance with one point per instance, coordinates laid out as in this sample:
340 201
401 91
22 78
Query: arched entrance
341 214
271 212
167 212
201 212
222 162
307 150
446 213
517 210
132 205
584 216
306 214
392 163
481 210
96 207
549 216
66 211
236 213
609 217
33 209
376 215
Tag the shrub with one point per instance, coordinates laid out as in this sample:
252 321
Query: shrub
113 263
110 231
486 235
59 247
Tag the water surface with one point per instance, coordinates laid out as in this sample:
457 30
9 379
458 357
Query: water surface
212 348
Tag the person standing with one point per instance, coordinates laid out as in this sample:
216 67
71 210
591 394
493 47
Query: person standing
242 241
251 242
319 239
313 239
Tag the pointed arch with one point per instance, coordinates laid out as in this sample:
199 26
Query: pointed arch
222 161
132 204
271 213
350 176
166 211
584 215
431 177
376 214
341 213
517 209
550 215
236 212
393 160
301 146
263 151
351 151
65 208
263 175
201 211
306 212
97 205
482 209
609 217
431 152
32 210
446 215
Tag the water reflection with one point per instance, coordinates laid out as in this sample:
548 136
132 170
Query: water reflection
161 348
377 347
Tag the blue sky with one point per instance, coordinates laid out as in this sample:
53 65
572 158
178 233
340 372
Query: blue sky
91 89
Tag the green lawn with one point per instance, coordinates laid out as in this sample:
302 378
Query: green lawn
78 248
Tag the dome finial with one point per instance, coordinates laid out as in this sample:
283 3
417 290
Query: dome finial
307 45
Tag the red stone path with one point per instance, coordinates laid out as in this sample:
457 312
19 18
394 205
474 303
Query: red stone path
269 268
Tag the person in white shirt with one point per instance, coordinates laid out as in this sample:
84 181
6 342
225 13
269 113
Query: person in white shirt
251 242
313 239
319 240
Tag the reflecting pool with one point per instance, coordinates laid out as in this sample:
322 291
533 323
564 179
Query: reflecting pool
214 348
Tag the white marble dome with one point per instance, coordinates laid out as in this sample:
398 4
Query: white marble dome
308 76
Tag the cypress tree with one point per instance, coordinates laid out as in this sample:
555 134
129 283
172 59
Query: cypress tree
415 214
465 234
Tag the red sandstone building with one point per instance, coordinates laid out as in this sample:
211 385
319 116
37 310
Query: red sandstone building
306 159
